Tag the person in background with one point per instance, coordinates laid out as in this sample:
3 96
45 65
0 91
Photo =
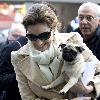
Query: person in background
8 84
89 26
38 62
17 30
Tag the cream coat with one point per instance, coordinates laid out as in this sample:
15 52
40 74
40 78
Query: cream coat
30 78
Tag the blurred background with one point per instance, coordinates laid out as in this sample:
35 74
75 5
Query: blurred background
12 11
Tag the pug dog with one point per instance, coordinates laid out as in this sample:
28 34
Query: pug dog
73 67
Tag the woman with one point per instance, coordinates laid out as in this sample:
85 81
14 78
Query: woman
38 63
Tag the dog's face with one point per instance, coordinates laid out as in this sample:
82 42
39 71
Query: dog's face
70 51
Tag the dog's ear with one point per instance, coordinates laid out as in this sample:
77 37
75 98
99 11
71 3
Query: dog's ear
80 49
62 45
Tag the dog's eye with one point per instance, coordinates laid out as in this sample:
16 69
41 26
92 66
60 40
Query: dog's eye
73 52
66 50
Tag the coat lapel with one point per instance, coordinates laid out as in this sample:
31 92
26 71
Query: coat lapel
29 68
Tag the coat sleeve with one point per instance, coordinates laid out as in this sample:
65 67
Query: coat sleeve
89 57
24 89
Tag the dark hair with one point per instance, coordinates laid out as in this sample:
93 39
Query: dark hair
41 13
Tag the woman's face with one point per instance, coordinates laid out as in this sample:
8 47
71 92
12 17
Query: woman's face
40 36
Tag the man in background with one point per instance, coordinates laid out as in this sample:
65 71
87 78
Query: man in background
89 28
16 31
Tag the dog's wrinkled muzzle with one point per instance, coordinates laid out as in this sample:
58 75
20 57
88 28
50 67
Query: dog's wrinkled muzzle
69 55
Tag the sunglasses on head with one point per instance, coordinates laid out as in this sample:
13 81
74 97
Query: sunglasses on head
42 36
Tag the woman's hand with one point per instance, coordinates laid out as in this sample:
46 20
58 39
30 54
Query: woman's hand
82 98
78 98
81 88
89 89
39 99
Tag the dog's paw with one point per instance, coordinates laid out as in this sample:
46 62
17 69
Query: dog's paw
62 92
46 87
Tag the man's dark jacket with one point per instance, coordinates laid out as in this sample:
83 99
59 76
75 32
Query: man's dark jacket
94 44
8 84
